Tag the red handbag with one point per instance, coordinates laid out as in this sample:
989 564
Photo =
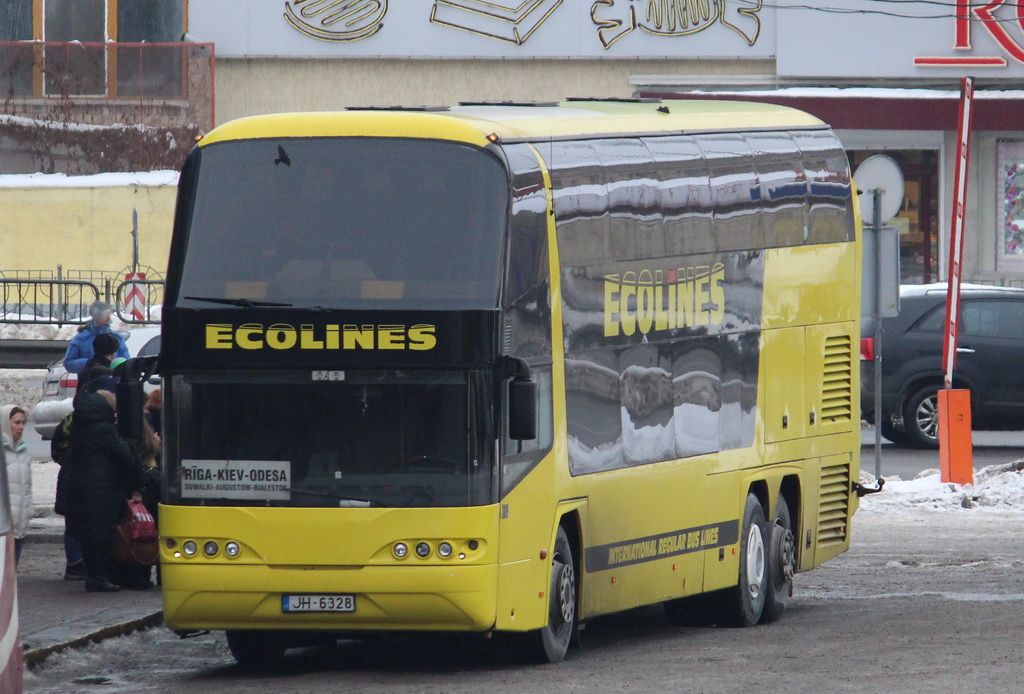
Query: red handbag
136 541
138 522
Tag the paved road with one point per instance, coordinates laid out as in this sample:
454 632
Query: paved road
925 601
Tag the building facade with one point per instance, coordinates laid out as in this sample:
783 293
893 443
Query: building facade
885 75
89 86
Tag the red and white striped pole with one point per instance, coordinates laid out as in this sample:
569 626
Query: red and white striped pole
956 235
135 296
954 406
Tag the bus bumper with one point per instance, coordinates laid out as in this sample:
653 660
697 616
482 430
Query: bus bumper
386 598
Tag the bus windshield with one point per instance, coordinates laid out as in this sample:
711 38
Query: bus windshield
345 223
376 439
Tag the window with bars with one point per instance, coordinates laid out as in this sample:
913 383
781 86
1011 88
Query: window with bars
91 48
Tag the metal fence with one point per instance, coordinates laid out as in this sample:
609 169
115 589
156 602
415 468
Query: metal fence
59 301
999 282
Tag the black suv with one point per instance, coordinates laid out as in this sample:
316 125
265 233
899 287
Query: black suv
989 362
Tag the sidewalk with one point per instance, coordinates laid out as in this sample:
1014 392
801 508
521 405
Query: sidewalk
56 614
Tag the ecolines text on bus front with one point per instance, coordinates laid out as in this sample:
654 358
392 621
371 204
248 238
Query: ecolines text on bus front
655 300
283 336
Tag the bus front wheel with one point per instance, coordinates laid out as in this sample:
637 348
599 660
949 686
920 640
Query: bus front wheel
256 648
550 644
744 603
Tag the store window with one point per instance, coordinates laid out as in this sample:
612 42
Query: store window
1010 189
917 220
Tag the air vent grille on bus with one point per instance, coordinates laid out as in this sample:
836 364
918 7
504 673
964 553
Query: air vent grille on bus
837 381
833 504
507 338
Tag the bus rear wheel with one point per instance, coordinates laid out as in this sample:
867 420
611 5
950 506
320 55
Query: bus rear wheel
744 603
781 562
550 643
258 649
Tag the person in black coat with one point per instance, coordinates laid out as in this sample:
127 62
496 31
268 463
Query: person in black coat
105 471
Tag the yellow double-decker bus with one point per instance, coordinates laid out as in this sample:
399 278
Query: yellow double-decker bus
500 368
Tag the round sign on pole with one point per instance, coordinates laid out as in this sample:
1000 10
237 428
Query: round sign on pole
879 172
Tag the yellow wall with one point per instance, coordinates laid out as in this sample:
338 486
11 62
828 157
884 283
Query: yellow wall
84 228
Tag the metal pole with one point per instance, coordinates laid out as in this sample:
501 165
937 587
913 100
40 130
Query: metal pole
135 240
61 308
877 223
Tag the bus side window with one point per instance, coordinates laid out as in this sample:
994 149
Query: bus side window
735 192
686 207
830 194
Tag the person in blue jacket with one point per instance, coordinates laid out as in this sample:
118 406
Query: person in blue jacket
81 350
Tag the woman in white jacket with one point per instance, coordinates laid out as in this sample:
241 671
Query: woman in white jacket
19 471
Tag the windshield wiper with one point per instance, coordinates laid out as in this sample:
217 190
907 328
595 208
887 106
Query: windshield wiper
244 303
353 501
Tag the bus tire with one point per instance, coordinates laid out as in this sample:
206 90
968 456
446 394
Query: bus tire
257 649
781 563
744 603
549 644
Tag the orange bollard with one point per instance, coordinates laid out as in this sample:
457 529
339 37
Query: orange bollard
956 451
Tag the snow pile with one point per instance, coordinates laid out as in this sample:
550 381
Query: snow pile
59 180
21 387
51 331
38 331
996 487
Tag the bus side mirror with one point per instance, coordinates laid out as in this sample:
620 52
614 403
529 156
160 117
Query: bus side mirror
522 409
522 400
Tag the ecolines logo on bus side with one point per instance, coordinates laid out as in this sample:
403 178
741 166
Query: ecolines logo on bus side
285 336
646 301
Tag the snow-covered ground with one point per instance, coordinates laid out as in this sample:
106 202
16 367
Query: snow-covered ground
997 488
